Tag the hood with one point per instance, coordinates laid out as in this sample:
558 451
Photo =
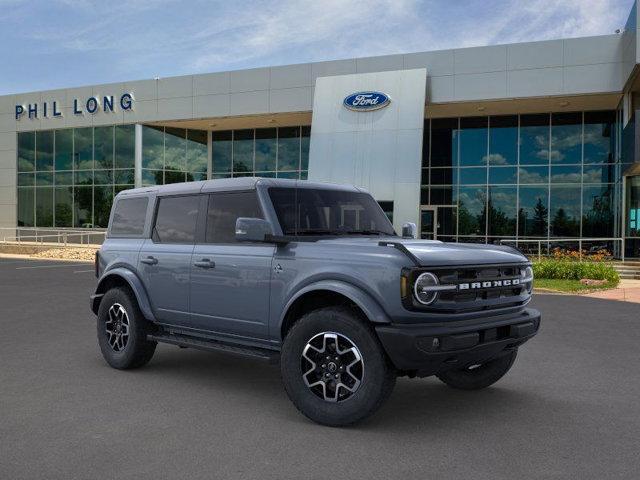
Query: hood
433 253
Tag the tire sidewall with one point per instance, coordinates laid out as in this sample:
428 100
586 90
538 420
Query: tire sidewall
125 357
376 368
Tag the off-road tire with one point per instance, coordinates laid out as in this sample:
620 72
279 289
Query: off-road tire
482 376
137 351
378 379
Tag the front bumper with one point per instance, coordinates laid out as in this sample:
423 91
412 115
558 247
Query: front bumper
428 349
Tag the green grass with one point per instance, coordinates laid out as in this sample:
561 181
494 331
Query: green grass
569 286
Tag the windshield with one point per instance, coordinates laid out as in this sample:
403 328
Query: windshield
310 211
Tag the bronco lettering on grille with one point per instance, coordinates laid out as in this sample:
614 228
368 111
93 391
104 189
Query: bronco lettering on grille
509 282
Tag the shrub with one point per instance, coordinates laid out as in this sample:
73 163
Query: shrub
575 270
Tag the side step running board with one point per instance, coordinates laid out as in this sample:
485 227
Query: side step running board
270 356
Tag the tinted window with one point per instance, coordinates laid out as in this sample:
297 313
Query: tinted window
332 212
224 209
128 216
176 219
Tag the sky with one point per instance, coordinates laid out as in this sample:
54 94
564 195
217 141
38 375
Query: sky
48 44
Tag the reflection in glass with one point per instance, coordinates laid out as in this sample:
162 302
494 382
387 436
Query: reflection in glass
82 203
534 175
83 148
26 151
102 200
197 154
444 138
26 205
125 146
221 146
599 141
571 174
604 173
304 148
63 206
288 148
242 151
175 149
471 211
566 138
444 176
103 147
473 176
564 212
501 211
266 146
44 206
597 211
534 139
473 141
503 140
443 196
533 213
63 159
503 175
152 147
44 150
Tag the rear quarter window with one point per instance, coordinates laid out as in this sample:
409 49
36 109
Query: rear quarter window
129 215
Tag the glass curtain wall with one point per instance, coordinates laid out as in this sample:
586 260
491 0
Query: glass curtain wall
68 177
541 176
281 152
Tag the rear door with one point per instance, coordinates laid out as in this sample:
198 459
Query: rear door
230 281
165 258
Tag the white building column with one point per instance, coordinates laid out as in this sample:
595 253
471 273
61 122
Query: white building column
138 156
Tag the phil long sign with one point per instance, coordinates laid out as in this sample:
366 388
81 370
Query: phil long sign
91 105
366 101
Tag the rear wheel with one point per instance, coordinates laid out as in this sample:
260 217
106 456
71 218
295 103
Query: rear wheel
334 368
122 331
480 376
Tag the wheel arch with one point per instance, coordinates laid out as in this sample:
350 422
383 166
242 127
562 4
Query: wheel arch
122 277
330 293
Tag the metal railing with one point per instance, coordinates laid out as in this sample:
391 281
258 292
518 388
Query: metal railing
545 247
52 236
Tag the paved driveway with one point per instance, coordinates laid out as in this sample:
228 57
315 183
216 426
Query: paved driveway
569 408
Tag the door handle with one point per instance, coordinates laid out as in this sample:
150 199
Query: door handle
204 263
149 260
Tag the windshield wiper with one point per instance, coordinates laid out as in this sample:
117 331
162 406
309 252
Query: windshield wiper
316 231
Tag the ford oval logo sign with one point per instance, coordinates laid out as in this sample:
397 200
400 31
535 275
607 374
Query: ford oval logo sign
366 101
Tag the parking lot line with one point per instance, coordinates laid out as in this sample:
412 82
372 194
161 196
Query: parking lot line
52 266
83 271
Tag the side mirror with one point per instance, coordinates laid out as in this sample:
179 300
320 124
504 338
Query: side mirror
252 229
409 230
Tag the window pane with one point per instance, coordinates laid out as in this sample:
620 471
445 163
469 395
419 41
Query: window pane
83 201
443 196
534 139
102 199
26 179
64 149
128 216
197 152
597 211
444 137
224 209
175 150
125 177
242 151
471 211
221 146
44 207
44 150
566 174
473 141
533 214
26 202
266 149
153 147
598 137
288 148
565 211
152 177
473 176
103 147
125 151
534 175
444 176
503 140
176 219
83 177
501 211
63 178
64 206
503 175
599 173
83 148
304 148
174 176
103 177
566 138
26 151
44 179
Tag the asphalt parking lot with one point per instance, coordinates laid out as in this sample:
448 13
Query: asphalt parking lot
570 407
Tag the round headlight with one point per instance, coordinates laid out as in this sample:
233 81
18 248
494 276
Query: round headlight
422 288
527 277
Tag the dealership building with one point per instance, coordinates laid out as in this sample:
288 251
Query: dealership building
529 143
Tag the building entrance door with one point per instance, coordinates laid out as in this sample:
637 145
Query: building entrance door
428 222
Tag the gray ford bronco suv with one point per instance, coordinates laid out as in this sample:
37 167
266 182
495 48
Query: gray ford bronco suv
311 275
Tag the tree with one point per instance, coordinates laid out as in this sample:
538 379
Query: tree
540 219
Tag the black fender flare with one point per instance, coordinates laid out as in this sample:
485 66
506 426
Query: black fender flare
134 283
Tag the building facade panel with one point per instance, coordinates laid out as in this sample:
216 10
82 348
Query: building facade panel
524 56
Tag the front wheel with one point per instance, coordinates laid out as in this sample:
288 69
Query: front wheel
334 368
122 331
476 377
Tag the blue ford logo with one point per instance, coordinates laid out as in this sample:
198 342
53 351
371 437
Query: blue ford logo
366 101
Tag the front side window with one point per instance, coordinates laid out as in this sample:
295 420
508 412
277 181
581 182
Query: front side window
128 216
223 211
306 211
176 219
